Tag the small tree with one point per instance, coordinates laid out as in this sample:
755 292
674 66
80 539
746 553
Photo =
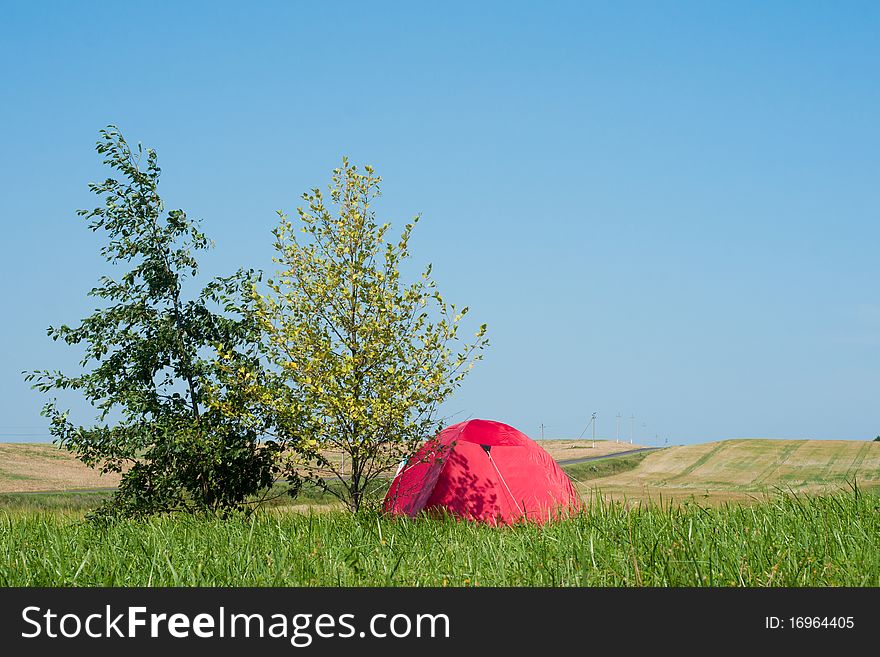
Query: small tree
148 352
365 359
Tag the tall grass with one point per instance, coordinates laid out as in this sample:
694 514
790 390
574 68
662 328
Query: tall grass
789 541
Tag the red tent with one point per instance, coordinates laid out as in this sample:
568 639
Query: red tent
485 471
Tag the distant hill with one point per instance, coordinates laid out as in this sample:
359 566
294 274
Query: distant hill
747 468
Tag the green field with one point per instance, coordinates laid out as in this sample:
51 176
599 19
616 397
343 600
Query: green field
831 540
668 518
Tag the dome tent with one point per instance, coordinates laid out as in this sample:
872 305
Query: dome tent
485 471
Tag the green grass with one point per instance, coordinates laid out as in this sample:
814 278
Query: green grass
604 467
831 540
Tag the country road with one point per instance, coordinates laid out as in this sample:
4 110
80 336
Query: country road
608 456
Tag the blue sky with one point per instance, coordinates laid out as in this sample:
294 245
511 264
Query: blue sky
667 210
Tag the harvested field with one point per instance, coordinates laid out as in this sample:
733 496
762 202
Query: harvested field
746 470
31 467
36 467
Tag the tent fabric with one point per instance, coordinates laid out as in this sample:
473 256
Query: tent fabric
484 471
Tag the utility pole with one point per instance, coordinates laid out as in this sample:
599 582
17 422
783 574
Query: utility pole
594 430
618 427
542 431
632 428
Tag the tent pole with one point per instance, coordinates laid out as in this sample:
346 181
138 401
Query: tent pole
501 476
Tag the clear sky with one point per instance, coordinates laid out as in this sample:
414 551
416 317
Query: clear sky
667 210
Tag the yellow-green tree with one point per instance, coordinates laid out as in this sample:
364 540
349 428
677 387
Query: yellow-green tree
364 358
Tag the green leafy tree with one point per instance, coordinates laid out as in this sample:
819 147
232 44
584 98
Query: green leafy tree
148 362
363 358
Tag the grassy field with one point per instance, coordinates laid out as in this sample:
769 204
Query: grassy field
666 518
745 470
831 540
